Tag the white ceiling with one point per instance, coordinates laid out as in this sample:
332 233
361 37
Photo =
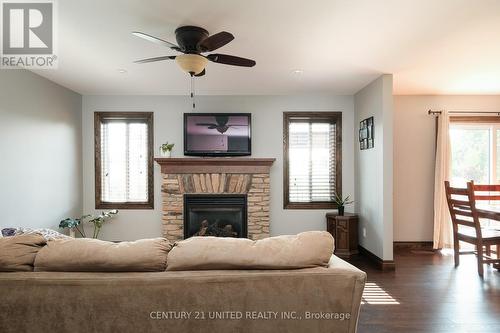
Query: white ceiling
431 46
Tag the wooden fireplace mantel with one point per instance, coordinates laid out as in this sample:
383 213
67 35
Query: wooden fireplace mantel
215 165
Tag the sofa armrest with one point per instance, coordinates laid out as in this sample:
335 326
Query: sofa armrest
342 267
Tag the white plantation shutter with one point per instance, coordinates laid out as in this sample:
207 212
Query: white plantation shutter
312 161
124 160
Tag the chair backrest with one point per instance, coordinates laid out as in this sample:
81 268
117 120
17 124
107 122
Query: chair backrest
462 206
486 192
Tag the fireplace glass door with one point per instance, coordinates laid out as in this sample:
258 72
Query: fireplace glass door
215 215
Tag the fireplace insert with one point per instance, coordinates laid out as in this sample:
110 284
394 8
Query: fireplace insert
215 215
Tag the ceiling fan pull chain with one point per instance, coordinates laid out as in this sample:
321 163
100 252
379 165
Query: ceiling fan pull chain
192 91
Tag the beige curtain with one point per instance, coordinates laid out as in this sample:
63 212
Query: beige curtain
443 230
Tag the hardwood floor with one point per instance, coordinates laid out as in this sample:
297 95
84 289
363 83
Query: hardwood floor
427 293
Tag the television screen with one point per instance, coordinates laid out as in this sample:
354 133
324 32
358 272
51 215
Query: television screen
217 134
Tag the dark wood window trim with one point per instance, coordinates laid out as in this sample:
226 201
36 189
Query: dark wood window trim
98 117
332 117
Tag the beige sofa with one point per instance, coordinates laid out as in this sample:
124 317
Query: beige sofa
318 299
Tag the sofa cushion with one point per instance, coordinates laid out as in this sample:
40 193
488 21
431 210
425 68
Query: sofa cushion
93 255
17 253
307 249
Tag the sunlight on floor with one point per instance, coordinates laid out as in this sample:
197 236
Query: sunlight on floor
374 294
446 252
463 247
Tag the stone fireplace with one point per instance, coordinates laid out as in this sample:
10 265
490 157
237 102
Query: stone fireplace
220 190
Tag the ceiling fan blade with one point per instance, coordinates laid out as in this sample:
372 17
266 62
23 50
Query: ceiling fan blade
143 61
230 60
205 124
155 40
215 41
203 72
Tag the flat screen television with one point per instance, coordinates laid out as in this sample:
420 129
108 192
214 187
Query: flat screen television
217 134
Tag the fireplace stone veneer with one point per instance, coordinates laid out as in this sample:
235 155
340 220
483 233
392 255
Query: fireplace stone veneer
248 176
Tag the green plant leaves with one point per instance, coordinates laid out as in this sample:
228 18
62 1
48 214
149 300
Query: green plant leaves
97 221
69 223
167 146
340 202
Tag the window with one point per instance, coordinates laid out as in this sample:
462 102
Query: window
123 160
312 159
475 151
471 154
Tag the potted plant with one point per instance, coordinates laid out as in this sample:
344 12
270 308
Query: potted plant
166 149
341 203
98 221
73 224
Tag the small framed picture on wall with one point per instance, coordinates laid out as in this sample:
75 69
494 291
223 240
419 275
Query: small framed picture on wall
366 134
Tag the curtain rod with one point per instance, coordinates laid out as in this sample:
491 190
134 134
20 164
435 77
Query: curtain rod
431 112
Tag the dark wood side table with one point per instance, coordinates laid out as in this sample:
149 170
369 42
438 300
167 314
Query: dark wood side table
344 230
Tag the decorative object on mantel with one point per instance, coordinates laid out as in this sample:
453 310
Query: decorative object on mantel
341 203
366 134
166 149
98 221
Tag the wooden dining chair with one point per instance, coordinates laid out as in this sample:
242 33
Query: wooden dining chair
488 193
467 226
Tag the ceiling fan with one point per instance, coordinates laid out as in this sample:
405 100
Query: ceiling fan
192 42
221 124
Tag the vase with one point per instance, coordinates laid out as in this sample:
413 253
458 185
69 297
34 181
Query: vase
72 233
165 153
340 210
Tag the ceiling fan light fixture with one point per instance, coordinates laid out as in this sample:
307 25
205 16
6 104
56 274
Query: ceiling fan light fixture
191 63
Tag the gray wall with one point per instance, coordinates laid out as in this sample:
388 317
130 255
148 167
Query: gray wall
267 131
374 179
414 158
40 151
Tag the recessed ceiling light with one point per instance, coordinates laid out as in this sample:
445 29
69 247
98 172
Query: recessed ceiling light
121 70
297 72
